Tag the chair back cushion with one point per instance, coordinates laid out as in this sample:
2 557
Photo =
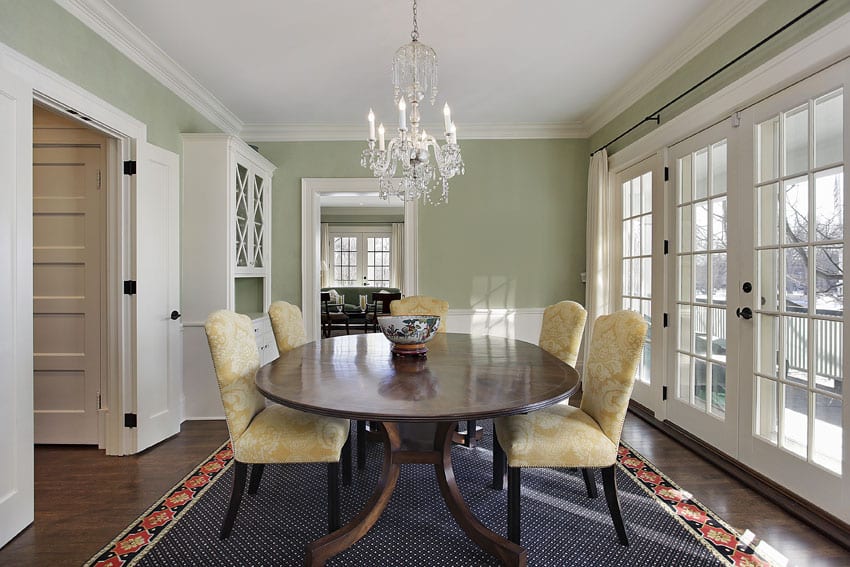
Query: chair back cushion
615 350
562 329
422 305
236 360
288 326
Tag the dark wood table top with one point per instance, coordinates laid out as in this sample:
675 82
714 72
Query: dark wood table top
463 377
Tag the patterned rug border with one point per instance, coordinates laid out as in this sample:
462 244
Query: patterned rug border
194 485
134 542
700 520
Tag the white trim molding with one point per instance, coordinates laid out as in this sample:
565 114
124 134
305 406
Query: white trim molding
102 18
305 132
716 20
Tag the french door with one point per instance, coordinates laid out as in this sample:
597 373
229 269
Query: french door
639 199
705 272
755 288
794 368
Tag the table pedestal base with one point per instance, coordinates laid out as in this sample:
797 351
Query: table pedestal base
423 443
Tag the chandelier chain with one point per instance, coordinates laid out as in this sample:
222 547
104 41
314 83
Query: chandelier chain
414 35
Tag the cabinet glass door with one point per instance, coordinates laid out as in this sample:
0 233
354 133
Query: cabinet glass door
258 233
243 194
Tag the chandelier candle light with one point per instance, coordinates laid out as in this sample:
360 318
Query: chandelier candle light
414 75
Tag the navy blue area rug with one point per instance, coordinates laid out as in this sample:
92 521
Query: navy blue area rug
561 526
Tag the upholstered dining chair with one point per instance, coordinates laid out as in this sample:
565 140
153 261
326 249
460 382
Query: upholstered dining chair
289 333
422 305
586 437
562 330
261 435
287 325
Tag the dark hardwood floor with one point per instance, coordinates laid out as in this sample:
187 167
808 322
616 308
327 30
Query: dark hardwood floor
84 498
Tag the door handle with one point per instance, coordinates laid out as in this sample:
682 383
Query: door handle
175 315
745 313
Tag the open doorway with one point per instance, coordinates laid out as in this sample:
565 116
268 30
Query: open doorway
338 201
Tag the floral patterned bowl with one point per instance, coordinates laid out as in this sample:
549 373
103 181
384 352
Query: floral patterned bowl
409 333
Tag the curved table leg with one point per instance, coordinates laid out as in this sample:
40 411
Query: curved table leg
505 550
324 548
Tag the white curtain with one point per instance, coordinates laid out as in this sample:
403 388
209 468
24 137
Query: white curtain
326 253
397 255
600 232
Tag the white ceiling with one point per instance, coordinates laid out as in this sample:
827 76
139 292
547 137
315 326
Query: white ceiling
320 64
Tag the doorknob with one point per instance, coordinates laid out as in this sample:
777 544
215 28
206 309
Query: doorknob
745 313
175 315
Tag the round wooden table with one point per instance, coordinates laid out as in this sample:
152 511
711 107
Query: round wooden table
419 402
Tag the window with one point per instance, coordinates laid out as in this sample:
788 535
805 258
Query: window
636 257
361 256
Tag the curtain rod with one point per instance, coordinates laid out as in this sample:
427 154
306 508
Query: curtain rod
656 116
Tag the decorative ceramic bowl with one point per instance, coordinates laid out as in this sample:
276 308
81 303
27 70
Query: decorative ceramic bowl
409 333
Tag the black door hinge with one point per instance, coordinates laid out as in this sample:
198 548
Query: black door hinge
666 173
130 167
129 287
666 247
663 393
130 420
665 320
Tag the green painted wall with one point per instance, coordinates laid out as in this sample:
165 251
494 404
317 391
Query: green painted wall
769 17
512 234
46 33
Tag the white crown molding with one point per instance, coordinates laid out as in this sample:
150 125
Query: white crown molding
111 25
711 25
307 132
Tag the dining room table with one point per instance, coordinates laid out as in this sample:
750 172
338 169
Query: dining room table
418 400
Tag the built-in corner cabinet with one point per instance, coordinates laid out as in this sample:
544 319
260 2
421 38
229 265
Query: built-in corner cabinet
227 190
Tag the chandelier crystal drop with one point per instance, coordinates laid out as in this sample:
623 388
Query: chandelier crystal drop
410 152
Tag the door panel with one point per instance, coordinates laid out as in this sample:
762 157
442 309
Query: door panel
702 267
639 203
159 337
794 373
16 442
68 268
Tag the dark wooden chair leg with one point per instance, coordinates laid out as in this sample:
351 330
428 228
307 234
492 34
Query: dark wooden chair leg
346 460
609 483
589 482
513 504
361 444
499 461
239 476
470 433
333 496
256 475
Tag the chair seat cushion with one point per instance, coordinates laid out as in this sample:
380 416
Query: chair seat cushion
558 436
279 434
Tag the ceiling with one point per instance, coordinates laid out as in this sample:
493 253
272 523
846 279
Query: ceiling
278 65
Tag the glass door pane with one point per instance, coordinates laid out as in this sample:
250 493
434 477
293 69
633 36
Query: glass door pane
798 400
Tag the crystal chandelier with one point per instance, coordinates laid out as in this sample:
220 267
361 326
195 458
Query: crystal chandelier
414 77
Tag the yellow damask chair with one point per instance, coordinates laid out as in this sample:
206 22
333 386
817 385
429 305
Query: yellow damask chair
586 437
289 333
422 305
562 330
261 435
288 326
560 335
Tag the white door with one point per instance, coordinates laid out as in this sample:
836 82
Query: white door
702 267
639 205
68 267
793 371
159 343
16 440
